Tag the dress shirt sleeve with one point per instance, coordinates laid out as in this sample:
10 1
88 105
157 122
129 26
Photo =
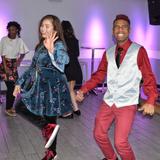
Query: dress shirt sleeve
149 82
97 77
54 62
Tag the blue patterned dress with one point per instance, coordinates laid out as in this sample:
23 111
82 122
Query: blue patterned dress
44 88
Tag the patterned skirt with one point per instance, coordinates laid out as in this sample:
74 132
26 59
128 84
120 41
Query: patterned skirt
48 94
12 73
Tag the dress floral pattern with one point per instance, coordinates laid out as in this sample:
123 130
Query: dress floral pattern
11 65
44 88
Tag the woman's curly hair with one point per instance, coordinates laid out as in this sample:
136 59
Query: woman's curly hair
15 24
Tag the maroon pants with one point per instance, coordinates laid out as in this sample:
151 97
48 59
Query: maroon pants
123 118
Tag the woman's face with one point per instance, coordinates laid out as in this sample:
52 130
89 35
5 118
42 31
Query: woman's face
46 28
12 32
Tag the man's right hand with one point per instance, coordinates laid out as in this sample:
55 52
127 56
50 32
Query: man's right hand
79 96
17 90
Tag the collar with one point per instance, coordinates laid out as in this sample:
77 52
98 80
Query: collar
125 46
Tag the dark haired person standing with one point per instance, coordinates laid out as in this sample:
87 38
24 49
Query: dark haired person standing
12 51
125 64
72 69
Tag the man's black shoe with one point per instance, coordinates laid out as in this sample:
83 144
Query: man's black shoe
70 116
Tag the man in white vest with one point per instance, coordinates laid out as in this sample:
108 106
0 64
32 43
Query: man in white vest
125 64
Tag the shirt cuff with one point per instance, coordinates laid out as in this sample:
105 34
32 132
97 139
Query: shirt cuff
151 100
84 90
54 62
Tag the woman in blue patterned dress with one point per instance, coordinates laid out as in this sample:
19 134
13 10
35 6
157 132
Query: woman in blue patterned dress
43 86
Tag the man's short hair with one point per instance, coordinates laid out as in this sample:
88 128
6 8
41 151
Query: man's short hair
123 17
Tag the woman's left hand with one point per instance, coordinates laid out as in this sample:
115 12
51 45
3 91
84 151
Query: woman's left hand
17 90
49 41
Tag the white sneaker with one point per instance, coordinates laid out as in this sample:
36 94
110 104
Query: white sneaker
52 137
55 157
10 113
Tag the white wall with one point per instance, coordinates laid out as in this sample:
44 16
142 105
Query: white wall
29 12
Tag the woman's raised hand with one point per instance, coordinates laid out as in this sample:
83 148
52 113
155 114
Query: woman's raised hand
49 41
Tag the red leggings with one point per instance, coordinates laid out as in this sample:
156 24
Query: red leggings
123 118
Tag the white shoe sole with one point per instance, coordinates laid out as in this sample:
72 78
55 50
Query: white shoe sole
10 114
55 157
52 137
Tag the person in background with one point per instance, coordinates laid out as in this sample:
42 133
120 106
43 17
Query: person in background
73 69
125 64
43 87
12 50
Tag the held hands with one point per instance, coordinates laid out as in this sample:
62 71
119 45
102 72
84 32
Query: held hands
49 41
147 109
79 96
17 90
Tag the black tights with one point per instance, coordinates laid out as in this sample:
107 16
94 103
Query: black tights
9 94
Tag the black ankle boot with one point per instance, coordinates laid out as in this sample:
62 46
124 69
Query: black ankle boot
78 112
70 116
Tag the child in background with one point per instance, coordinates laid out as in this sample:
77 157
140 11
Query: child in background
12 50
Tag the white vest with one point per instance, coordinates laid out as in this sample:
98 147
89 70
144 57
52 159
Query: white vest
123 83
